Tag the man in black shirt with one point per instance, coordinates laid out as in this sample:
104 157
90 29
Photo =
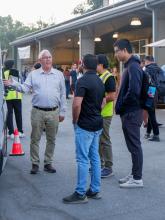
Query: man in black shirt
88 124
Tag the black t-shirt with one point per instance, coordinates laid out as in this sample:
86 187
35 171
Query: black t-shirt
110 84
91 88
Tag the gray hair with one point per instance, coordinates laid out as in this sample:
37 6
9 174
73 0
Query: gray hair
43 52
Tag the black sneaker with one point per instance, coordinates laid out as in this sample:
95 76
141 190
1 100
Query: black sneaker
154 138
93 195
75 198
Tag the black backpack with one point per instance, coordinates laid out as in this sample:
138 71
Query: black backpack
161 83
146 83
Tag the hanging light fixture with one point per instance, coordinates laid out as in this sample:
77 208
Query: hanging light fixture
78 42
97 39
115 35
135 21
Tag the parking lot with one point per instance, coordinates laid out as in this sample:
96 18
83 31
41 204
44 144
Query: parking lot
39 197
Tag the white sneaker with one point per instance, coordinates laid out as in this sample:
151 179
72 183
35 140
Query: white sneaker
21 135
132 183
125 179
11 136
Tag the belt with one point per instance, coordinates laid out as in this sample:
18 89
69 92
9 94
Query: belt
46 109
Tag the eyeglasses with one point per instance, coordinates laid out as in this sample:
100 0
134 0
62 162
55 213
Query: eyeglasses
46 58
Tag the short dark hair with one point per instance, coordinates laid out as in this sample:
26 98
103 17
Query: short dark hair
8 64
123 44
37 65
149 58
90 62
102 59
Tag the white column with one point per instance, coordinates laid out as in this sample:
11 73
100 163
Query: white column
87 44
39 46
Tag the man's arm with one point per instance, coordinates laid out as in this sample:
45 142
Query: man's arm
110 96
63 99
24 88
110 88
77 101
76 108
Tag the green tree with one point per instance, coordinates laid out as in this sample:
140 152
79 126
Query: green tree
87 6
10 30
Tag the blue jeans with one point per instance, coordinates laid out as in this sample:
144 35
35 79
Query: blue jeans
87 149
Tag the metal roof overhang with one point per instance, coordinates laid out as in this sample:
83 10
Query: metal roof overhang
90 18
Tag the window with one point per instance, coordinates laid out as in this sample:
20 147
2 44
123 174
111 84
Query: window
138 47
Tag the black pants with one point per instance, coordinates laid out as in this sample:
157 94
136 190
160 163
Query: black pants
15 105
131 123
152 123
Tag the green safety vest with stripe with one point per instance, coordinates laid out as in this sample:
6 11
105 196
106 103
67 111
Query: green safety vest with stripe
12 94
108 109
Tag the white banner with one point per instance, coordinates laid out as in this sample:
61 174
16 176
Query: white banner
24 52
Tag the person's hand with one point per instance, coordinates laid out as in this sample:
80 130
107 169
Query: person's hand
7 82
103 103
61 118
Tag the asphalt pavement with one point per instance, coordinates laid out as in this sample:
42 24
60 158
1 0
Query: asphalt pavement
39 197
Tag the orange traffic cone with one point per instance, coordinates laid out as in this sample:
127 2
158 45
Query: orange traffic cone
17 146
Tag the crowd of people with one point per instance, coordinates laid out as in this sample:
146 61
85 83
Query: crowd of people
94 88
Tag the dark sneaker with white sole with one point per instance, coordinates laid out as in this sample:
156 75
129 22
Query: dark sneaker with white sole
106 172
75 198
93 195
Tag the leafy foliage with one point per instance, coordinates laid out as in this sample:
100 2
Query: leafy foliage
88 6
10 30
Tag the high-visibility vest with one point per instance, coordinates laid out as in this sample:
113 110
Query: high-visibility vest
12 94
107 110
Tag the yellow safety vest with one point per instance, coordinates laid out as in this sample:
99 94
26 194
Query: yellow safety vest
107 111
12 94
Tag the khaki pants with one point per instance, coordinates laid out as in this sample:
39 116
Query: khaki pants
105 145
39 120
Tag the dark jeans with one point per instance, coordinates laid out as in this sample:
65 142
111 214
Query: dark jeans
15 105
152 123
67 86
131 123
